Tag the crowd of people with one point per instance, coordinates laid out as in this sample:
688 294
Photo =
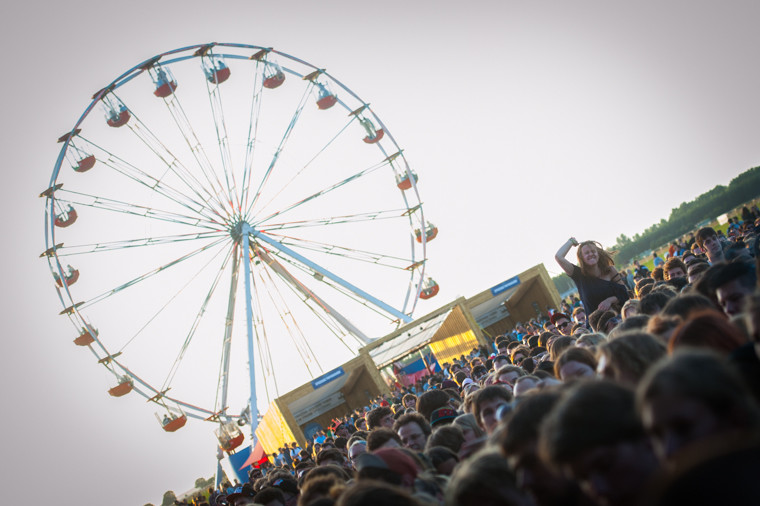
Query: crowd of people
643 390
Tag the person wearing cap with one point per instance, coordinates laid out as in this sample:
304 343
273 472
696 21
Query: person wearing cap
390 465
413 430
442 416
242 496
563 323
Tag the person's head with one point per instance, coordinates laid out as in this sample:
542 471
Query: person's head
626 358
500 361
591 255
732 283
559 345
695 270
674 268
708 329
376 492
708 241
268 496
550 327
525 384
590 341
449 436
579 315
653 302
331 456
594 436
519 444
413 430
508 374
391 465
357 448
692 397
502 347
486 403
479 372
380 417
409 401
470 428
484 479
383 438
684 304
519 353
443 459
575 363
431 400
563 323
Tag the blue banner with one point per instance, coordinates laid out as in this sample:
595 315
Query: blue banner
505 285
327 378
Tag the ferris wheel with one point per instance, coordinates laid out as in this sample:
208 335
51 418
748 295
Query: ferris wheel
213 162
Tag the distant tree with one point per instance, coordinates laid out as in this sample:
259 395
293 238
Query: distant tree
204 482
169 498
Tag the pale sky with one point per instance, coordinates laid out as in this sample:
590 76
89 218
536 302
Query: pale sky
527 123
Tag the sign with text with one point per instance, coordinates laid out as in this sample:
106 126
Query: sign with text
327 378
505 285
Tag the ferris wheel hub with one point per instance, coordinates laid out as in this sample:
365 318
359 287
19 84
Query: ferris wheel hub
238 228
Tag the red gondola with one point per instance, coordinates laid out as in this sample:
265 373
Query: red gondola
403 181
430 289
123 388
229 436
174 423
431 231
85 163
165 88
85 338
327 101
71 277
376 138
274 80
65 218
117 119
218 76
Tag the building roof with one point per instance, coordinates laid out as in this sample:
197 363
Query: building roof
408 341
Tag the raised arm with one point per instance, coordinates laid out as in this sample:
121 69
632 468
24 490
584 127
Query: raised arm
566 265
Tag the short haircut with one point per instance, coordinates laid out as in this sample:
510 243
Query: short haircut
413 418
378 437
408 397
633 352
704 233
330 454
430 401
489 393
674 263
559 345
375 416
269 494
574 354
449 436
708 329
484 478
684 304
743 272
653 302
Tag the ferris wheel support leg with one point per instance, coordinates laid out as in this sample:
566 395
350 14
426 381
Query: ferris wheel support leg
246 230
342 282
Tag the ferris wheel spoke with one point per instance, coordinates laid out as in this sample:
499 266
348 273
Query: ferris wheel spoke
172 298
390 214
141 177
301 171
196 322
118 206
253 132
324 272
149 274
309 296
177 113
223 140
324 191
286 317
143 133
82 249
381 259
262 341
280 148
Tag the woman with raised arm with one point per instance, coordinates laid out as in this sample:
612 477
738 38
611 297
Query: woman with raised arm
599 284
